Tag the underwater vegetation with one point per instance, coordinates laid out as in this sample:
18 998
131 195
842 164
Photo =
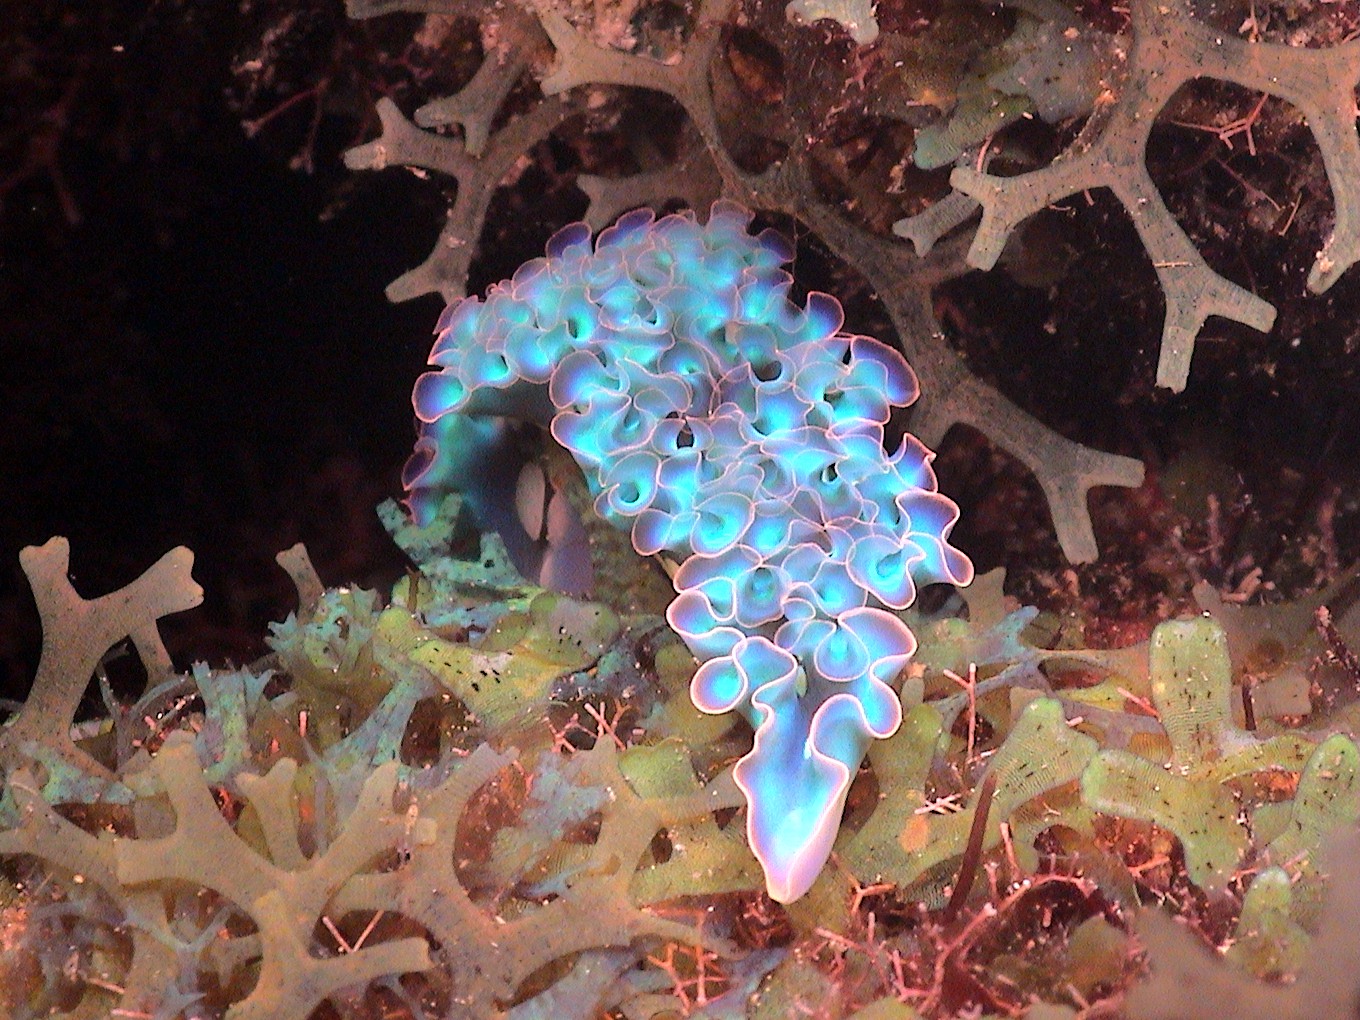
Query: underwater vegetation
663 720
474 797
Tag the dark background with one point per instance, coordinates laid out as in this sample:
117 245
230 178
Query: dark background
194 344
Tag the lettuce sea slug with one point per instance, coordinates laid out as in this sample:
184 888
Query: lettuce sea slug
720 423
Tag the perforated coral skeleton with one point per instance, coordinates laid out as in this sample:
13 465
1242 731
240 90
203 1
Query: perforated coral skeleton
1168 46
695 75
744 436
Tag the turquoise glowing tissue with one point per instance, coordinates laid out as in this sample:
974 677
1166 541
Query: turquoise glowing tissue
744 436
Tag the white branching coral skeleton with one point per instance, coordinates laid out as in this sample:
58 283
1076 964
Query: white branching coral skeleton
1166 46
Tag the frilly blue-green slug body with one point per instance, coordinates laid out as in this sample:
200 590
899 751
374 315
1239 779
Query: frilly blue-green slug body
721 423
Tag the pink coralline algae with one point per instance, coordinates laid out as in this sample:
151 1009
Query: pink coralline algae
743 436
